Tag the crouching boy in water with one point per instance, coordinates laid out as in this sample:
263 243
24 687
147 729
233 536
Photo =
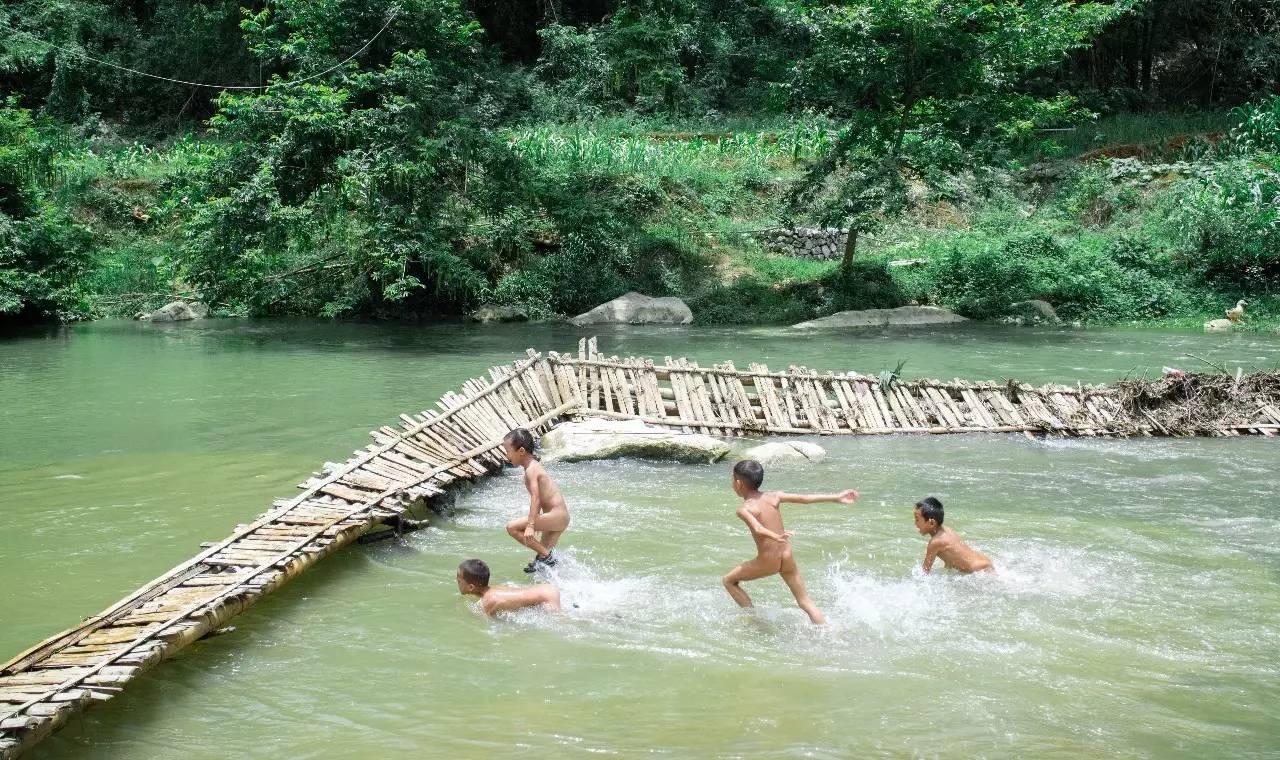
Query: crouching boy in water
548 514
473 580
761 511
944 543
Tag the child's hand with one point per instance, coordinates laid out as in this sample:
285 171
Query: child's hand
848 496
784 538
528 531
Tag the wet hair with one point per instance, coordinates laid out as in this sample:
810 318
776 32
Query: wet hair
521 439
749 471
930 509
475 571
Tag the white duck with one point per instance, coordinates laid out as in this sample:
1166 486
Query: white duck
1237 314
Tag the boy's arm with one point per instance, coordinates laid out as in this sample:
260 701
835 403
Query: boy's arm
757 528
529 597
535 499
930 554
847 496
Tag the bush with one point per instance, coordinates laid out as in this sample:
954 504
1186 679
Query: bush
1229 227
1088 278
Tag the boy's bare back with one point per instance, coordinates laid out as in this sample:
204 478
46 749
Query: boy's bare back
765 507
947 546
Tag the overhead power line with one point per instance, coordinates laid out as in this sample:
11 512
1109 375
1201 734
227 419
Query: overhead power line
81 54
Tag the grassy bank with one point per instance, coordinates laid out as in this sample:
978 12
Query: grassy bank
1170 232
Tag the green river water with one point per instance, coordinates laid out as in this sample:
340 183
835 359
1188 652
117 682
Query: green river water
1136 613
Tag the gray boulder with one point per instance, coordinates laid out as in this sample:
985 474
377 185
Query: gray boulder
637 309
903 315
778 452
178 311
615 439
499 313
1036 310
1218 325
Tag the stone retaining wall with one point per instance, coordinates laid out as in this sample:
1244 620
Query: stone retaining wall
821 243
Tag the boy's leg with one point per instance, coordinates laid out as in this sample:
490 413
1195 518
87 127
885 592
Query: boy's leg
791 576
550 538
515 529
550 527
747 571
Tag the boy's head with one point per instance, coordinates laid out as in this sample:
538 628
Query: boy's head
748 476
928 515
473 576
518 446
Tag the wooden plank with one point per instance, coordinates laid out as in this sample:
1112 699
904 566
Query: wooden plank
849 407
870 407
977 411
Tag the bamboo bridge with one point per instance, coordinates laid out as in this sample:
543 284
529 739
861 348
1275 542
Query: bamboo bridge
41 688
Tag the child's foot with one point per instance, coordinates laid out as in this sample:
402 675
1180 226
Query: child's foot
539 563
543 562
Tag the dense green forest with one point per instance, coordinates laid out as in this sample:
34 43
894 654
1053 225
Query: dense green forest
417 158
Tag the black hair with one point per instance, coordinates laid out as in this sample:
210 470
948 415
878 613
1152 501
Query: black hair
521 439
749 471
930 509
475 571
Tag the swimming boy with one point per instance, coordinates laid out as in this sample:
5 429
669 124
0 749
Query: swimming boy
944 543
473 580
548 514
761 511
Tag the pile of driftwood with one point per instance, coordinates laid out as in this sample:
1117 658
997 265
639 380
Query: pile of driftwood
1205 403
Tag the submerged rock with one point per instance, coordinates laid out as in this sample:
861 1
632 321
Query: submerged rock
777 452
1036 309
178 311
615 439
637 309
1218 325
903 315
498 313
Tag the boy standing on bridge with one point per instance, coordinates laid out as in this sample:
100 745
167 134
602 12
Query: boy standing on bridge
548 514
473 580
944 543
761 511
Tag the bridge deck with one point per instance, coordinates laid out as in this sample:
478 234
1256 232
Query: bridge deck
45 685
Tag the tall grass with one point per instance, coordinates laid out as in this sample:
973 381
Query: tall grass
1139 129
617 151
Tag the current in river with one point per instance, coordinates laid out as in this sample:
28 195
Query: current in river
1136 612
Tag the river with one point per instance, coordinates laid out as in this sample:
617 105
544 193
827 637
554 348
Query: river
1136 612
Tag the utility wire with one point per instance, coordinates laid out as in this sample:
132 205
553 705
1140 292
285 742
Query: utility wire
395 12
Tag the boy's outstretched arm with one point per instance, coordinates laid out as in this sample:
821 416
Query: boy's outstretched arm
847 496
757 528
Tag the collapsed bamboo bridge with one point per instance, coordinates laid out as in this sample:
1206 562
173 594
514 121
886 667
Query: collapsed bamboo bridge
41 688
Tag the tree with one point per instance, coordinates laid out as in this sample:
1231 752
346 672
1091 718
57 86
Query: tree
926 88
44 255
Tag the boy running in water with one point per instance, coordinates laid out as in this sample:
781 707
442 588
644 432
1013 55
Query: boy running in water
473 580
548 514
944 543
761 512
